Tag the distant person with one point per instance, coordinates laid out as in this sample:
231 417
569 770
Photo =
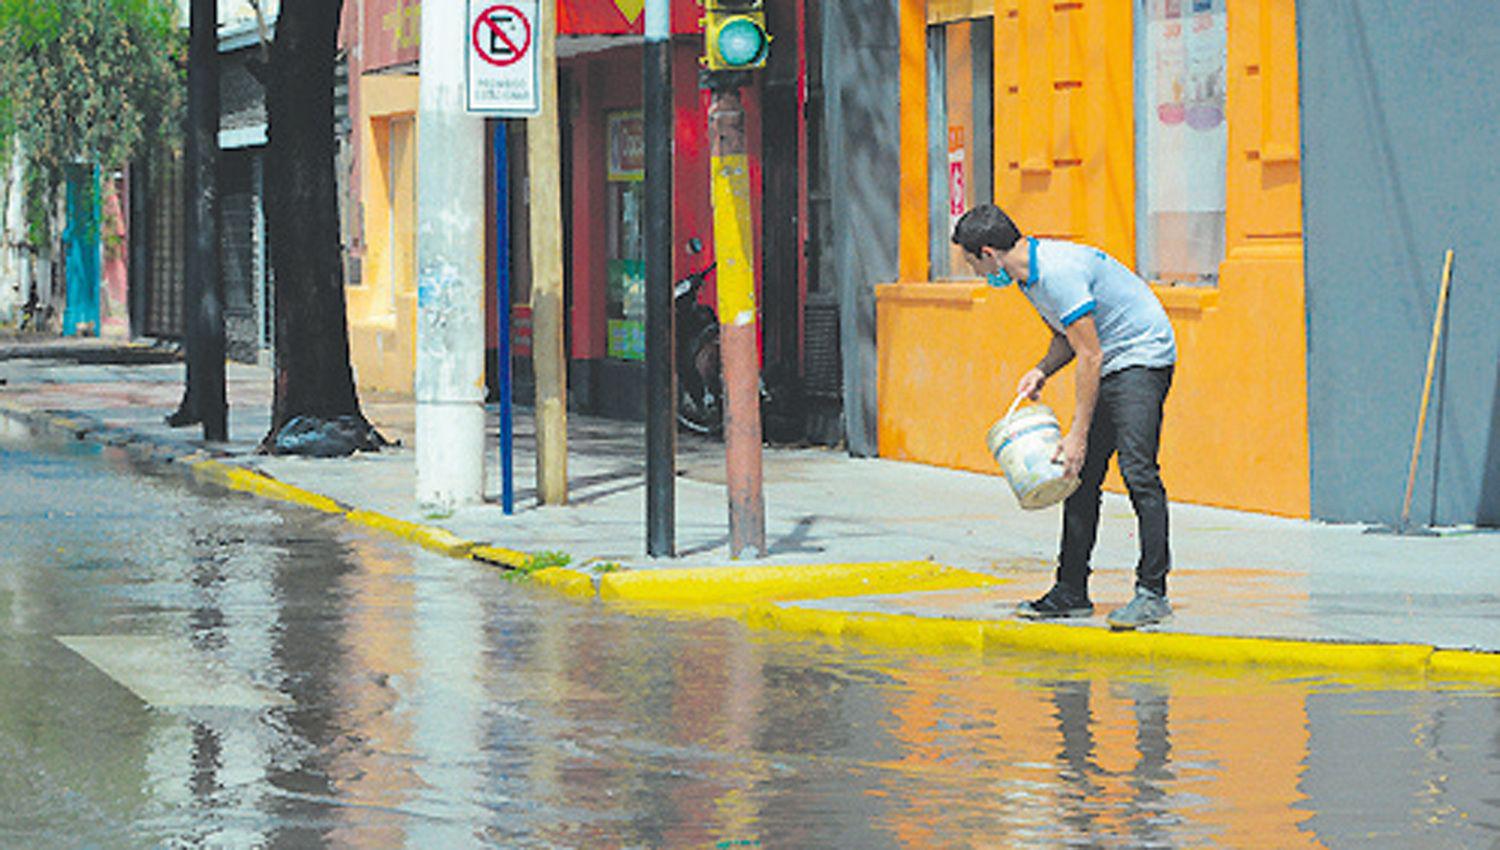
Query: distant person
1103 315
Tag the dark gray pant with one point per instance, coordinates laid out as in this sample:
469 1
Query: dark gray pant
1127 420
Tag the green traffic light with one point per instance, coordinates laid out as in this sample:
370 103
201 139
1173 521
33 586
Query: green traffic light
741 42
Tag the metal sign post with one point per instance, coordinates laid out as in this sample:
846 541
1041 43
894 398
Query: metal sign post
661 393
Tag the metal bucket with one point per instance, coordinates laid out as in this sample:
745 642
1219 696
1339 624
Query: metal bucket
1023 444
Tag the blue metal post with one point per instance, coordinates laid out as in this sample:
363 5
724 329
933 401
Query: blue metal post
502 315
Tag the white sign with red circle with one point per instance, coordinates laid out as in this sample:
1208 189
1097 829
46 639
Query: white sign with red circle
501 60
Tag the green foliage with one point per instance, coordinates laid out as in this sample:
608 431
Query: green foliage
87 81
535 562
550 558
7 126
39 197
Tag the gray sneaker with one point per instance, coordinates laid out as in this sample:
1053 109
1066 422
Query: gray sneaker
1146 608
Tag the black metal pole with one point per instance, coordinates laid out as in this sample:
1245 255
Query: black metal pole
136 189
203 301
661 379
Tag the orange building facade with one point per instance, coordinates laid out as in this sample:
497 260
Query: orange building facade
1166 135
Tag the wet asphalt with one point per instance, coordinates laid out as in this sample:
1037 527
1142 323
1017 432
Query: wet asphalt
180 667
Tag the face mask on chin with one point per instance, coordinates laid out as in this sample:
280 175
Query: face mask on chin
999 278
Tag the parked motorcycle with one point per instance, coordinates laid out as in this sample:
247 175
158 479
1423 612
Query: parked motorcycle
700 379
700 385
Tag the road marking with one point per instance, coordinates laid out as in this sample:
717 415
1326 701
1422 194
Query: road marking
168 673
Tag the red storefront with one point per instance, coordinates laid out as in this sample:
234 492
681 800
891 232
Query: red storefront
599 49
600 95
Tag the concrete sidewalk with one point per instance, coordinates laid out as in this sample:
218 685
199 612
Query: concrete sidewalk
1236 575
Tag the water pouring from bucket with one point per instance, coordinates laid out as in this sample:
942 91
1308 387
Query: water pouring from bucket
1024 442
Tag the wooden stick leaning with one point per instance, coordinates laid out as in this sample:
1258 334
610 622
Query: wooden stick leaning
1437 332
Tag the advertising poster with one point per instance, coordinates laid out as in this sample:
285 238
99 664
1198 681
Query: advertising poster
1187 140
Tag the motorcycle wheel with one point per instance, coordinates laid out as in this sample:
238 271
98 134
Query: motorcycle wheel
700 394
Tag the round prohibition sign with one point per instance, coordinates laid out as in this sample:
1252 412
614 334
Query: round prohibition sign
507 33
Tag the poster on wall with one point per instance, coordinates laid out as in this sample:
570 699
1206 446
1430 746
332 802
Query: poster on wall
957 186
627 146
626 309
1186 140
625 293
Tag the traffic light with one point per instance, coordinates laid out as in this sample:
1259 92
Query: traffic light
734 35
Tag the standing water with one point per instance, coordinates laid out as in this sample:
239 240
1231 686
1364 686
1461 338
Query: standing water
184 667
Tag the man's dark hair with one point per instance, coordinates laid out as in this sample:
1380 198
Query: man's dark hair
984 225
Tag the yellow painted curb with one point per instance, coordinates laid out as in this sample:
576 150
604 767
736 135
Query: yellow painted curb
1259 652
428 537
1459 665
568 582
904 630
250 481
727 585
915 632
500 555
806 621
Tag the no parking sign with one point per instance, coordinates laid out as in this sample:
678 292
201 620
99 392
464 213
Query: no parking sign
500 61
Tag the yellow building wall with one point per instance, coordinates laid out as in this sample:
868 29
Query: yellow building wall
950 354
383 308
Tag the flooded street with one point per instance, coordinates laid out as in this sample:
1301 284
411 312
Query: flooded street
180 667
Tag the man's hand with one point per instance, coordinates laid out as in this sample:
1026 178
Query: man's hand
1031 384
1070 452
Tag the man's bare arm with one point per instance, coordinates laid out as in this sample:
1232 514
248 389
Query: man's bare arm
1059 354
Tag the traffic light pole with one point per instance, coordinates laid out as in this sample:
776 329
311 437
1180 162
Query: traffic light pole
733 243
661 390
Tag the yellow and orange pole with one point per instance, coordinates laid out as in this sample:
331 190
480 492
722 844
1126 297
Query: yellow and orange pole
733 245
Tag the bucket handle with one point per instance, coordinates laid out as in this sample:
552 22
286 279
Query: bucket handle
1013 405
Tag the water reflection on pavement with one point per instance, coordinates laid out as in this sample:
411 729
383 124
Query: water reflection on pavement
180 667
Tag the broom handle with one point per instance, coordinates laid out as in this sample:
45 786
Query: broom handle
1437 331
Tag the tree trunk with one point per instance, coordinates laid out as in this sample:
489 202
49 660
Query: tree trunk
203 398
314 380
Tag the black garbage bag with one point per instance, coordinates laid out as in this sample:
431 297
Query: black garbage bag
316 437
